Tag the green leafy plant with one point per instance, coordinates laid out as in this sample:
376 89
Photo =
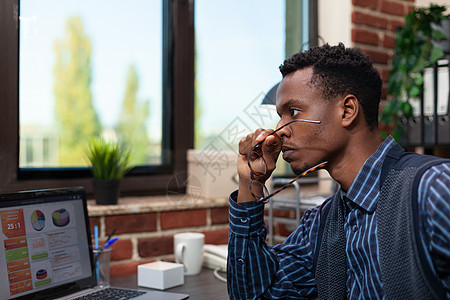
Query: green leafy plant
414 51
108 159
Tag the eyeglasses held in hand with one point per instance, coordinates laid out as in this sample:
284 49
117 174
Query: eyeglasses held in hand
258 168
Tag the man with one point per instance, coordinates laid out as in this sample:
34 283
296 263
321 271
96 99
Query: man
359 243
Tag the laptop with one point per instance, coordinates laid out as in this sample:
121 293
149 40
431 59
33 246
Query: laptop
46 248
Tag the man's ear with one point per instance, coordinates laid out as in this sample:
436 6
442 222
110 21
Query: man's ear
351 109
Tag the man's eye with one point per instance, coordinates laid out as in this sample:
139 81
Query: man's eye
294 112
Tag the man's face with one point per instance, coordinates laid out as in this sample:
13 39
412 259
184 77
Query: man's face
307 144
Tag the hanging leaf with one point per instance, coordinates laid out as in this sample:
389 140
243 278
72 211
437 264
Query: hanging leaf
435 55
419 80
407 109
437 35
415 92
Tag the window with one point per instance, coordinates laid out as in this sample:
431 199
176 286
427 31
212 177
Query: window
85 71
236 65
166 45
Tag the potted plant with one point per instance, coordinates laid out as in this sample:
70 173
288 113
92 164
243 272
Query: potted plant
109 163
415 50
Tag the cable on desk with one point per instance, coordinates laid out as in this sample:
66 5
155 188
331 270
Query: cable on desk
218 276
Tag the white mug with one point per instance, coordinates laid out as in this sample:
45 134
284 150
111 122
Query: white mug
188 247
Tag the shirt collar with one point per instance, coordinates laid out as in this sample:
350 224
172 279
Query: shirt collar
365 188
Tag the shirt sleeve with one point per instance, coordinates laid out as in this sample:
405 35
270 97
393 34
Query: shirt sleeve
434 203
256 270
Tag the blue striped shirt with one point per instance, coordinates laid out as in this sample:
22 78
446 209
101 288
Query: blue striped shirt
285 271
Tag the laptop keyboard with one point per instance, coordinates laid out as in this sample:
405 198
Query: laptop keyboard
112 293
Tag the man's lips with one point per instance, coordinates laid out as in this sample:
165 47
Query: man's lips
287 152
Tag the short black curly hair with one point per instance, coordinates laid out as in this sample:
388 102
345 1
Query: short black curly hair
339 71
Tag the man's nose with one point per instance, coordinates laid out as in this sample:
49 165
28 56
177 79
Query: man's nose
285 131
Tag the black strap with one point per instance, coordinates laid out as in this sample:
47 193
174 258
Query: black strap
392 157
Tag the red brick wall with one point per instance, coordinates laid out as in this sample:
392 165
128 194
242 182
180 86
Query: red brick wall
373 29
146 237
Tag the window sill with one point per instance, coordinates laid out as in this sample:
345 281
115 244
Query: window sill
135 205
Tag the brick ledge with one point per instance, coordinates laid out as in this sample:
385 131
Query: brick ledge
135 205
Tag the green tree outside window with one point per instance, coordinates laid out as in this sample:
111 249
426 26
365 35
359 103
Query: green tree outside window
75 112
131 129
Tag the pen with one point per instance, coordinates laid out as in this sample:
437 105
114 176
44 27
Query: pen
109 243
96 236
97 267
110 235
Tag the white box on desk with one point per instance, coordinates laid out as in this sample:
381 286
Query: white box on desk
160 275
211 173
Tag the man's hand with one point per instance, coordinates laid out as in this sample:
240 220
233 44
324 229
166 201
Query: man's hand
269 149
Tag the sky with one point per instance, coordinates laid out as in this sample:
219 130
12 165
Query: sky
239 45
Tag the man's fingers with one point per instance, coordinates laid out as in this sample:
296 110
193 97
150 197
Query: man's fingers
262 160
246 143
271 149
243 146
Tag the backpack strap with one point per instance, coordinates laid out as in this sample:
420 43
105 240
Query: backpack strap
392 157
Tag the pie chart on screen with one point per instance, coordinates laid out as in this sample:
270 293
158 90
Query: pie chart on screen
61 217
37 220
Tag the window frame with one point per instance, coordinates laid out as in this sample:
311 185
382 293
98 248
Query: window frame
178 111
313 13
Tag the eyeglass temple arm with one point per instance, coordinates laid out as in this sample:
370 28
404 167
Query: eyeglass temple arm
316 167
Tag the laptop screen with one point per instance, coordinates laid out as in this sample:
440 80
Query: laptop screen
45 243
